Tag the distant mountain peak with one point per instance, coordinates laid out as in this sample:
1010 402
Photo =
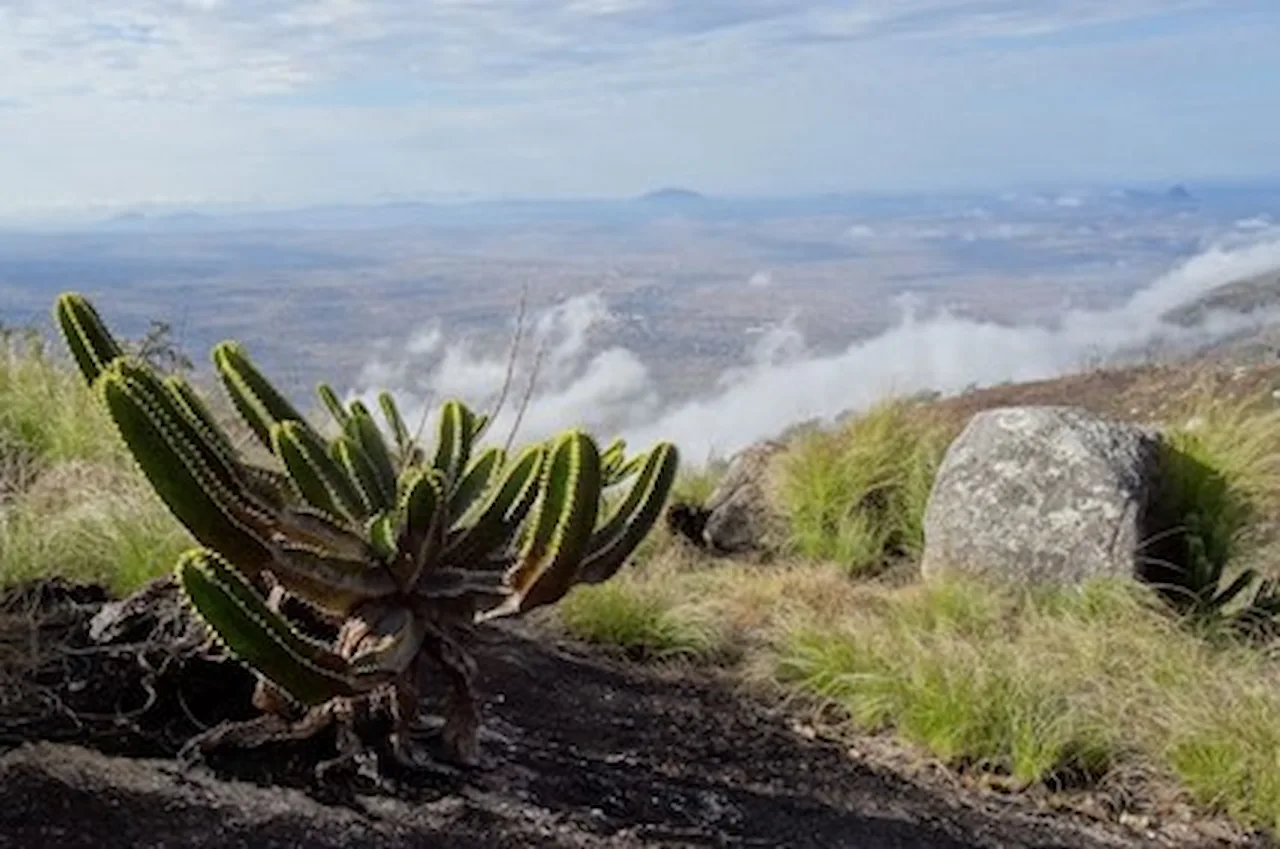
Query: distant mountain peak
1176 194
672 194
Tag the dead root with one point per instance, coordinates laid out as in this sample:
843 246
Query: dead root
134 676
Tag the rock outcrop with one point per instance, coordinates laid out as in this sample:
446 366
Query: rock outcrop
587 753
738 518
1051 495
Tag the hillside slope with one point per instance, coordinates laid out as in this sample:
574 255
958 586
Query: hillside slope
1143 394
1257 297
589 752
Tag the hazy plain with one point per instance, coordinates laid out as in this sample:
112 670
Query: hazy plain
690 290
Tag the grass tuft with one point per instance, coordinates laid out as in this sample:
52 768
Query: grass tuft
1229 765
72 503
46 412
856 495
1055 689
640 619
1221 490
92 523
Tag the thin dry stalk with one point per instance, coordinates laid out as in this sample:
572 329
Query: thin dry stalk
528 395
513 354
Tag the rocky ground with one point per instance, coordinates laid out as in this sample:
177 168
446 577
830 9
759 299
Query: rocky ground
584 751
1143 394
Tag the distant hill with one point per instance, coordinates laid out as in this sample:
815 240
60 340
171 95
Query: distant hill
1253 295
673 196
1177 195
1243 297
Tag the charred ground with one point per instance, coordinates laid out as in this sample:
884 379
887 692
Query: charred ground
585 751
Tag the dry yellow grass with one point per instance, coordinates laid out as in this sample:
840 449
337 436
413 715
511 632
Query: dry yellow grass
1056 688
1048 688
88 522
72 503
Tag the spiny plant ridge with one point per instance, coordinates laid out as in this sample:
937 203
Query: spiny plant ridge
399 551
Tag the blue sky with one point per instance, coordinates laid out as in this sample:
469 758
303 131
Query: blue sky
120 102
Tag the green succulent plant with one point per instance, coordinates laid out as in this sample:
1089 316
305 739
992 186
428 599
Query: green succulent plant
401 549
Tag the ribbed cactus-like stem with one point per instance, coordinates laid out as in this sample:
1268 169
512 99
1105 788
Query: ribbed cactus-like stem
615 540
363 432
399 430
499 516
564 519
615 466
456 433
611 459
355 464
402 548
307 468
259 403
258 636
331 402
423 515
198 484
91 344
484 470
214 436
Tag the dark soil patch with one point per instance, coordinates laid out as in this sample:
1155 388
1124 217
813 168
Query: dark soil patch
585 752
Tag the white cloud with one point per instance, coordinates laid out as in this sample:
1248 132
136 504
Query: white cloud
1257 222
979 18
304 100
211 50
782 383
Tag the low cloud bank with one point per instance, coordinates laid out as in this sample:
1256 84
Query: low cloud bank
608 388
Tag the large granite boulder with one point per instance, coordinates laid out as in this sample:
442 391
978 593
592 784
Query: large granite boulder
1048 495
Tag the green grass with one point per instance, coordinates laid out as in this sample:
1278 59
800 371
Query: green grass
72 503
938 667
1228 763
112 531
1053 688
46 413
1222 487
695 484
1049 690
640 619
856 495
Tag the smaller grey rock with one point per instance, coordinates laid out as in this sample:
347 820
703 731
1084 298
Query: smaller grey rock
739 515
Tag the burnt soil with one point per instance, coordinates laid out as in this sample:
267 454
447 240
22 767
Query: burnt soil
584 751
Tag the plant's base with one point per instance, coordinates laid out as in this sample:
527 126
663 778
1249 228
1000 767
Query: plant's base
361 737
